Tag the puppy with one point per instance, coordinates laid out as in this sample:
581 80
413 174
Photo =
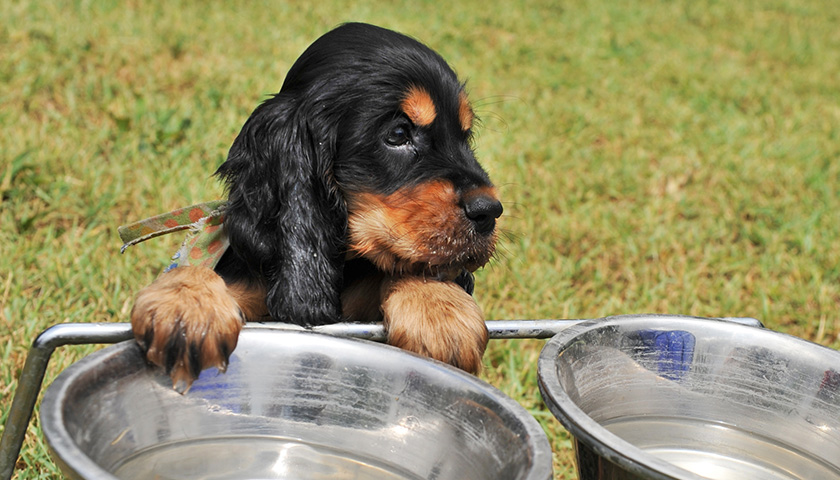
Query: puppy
353 195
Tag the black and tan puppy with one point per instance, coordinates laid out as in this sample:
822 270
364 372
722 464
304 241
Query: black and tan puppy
354 195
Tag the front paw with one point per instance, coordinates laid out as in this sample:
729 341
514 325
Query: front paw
187 321
437 319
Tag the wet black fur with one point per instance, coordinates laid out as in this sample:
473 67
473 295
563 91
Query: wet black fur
330 130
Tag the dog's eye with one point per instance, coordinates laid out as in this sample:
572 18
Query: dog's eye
397 136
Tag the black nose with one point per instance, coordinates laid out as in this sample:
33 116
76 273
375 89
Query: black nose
483 210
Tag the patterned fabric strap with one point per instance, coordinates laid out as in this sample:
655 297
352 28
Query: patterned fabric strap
206 241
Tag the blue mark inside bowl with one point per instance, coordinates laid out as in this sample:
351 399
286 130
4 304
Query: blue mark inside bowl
669 352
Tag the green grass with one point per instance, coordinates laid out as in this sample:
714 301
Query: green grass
669 157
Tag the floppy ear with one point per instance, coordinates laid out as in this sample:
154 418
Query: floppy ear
286 219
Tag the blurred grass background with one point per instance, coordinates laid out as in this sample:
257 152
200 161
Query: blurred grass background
654 156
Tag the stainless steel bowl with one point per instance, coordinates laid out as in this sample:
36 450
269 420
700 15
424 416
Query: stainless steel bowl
292 405
668 397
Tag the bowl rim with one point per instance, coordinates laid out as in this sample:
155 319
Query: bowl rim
586 430
74 462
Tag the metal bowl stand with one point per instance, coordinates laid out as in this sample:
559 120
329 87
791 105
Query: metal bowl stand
32 375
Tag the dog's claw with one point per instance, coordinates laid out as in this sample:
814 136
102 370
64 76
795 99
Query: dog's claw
182 385
186 321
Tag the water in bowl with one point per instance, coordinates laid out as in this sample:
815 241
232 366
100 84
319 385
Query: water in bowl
249 457
719 451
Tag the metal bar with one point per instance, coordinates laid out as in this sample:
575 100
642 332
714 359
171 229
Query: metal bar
32 375
497 329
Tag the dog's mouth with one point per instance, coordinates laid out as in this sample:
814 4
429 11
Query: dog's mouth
429 229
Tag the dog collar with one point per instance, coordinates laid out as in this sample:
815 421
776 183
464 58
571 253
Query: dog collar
206 241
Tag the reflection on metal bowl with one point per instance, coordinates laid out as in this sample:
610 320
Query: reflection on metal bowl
291 405
670 397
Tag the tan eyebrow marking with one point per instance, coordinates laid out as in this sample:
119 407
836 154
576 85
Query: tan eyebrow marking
465 112
419 107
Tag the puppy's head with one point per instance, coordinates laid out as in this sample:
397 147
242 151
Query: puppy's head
366 149
417 199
